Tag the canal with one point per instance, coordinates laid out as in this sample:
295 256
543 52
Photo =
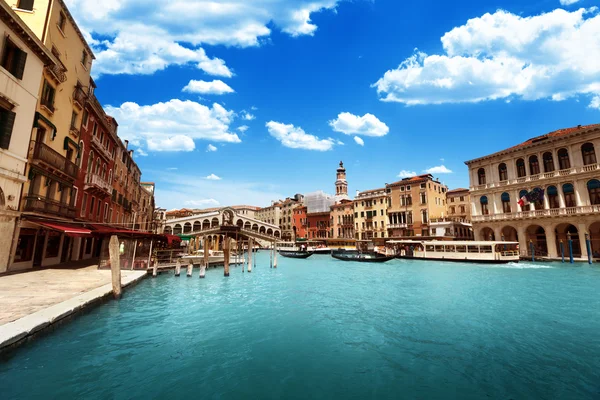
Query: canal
325 329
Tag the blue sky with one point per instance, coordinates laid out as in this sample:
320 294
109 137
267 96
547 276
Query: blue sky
242 102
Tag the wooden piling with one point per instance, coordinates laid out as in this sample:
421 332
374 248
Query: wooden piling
275 255
226 253
250 254
271 257
115 265
178 268
206 252
155 269
202 269
190 268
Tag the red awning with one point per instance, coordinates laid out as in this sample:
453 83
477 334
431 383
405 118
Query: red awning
67 229
111 230
171 238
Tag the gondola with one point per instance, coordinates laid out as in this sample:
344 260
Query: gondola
369 256
296 254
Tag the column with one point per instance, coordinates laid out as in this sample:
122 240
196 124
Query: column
477 234
551 241
581 193
498 233
546 202
495 198
523 244
581 230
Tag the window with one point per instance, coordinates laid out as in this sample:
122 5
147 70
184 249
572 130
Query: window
569 193
424 218
13 59
552 194
47 99
534 165
505 203
7 121
502 172
62 21
594 191
521 168
539 204
462 198
95 129
484 205
423 198
423 186
588 153
74 120
408 187
105 212
92 205
84 58
84 119
481 176
25 5
24 250
84 204
548 162
53 244
563 159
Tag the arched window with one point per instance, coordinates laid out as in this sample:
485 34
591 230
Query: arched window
110 177
484 205
505 203
104 171
481 176
594 191
588 153
502 172
548 162
563 159
80 154
569 193
552 194
90 162
534 165
539 203
521 168
97 166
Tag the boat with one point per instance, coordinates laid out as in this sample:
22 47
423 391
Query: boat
492 252
295 254
360 256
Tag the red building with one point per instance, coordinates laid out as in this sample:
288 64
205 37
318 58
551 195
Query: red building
300 231
318 225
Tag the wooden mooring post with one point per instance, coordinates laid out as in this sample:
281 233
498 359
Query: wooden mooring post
274 255
250 255
190 268
178 268
115 265
226 253
202 269
155 269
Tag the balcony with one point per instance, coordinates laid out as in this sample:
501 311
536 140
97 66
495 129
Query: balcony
98 145
57 72
51 159
538 177
79 96
550 213
397 226
47 206
94 181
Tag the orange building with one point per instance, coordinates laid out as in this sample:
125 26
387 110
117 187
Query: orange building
317 225
300 231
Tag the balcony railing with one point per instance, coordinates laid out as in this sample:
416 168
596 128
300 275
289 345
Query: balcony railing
539 177
52 158
552 212
80 96
48 206
58 72
397 226
96 142
98 181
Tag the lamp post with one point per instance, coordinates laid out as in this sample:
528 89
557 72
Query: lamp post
570 241
588 247
562 251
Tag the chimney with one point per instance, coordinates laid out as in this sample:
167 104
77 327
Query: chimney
126 144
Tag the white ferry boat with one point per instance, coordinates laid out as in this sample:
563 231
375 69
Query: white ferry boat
215 257
467 251
316 247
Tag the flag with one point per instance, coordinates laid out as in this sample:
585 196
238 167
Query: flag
535 195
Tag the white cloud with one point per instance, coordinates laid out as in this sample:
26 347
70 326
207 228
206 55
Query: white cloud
367 125
359 141
140 152
213 177
503 55
205 87
133 37
406 174
242 128
295 137
440 169
247 116
174 125
172 169
568 2
202 203
210 148
595 103
253 108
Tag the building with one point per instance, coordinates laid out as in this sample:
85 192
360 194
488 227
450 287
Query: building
287 218
300 223
341 184
318 202
145 216
459 204
414 202
342 220
370 214
23 60
563 163
317 225
270 215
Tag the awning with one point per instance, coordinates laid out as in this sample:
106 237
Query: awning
67 229
171 238
36 124
186 237
106 230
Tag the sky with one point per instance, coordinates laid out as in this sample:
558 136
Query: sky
246 101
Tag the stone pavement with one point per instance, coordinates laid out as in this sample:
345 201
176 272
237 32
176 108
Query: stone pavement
26 293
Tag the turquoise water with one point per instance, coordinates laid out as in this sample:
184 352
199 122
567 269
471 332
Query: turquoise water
325 329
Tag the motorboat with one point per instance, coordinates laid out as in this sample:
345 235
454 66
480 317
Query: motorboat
493 252
360 256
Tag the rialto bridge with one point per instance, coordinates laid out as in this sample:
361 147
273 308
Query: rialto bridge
223 221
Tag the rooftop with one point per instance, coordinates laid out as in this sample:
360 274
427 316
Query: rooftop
414 179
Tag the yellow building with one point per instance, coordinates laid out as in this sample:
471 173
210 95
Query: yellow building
342 220
54 154
459 204
370 214
414 202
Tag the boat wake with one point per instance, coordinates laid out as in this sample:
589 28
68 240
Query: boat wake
523 265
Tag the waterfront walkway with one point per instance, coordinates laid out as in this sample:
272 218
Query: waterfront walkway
32 300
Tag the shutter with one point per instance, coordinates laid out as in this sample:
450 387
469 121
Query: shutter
7 120
19 63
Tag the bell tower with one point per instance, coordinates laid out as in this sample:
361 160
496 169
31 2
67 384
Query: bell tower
341 184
